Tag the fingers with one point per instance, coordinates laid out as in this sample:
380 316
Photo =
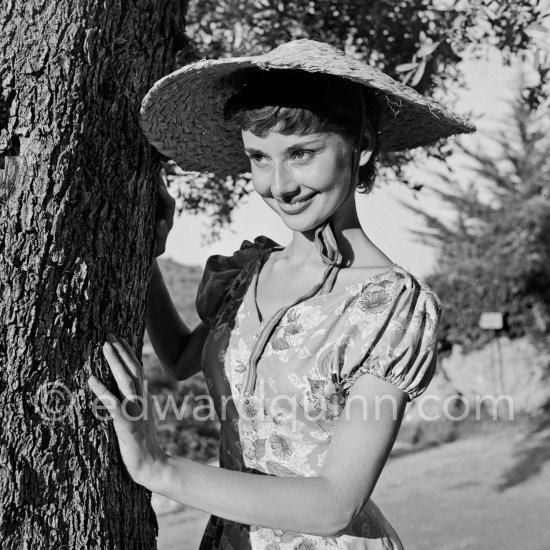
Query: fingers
131 354
109 401
123 368
166 206
135 366
160 178
161 234
128 373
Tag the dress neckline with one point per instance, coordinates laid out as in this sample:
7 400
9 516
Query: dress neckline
267 327
264 257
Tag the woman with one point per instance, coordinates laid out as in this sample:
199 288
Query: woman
311 351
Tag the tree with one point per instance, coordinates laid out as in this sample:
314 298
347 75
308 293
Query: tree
495 255
418 41
76 229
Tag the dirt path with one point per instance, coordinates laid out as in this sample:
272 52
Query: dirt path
443 498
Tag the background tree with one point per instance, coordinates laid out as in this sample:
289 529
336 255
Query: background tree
495 255
420 42
77 196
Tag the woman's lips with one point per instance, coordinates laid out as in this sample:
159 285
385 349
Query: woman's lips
296 206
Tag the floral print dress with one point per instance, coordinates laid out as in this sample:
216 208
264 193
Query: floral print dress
385 325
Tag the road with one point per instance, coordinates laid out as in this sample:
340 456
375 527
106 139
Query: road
442 498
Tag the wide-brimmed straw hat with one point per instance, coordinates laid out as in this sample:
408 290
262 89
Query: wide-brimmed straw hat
182 115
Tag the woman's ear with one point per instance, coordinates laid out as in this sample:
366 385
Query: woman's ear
367 145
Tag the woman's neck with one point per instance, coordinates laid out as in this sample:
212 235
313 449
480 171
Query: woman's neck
348 233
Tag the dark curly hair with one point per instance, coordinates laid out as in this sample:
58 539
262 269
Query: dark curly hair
298 102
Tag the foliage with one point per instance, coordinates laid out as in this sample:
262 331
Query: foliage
418 41
495 256
186 423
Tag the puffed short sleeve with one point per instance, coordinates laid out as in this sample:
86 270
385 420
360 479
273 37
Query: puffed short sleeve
394 332
220 275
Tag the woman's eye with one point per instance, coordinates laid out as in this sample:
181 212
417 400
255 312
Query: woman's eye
303 155
257 159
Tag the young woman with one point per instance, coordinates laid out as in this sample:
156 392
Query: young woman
310 351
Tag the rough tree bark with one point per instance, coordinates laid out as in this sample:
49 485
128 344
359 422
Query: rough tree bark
77 195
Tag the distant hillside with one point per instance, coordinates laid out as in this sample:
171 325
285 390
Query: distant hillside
189 435
182 281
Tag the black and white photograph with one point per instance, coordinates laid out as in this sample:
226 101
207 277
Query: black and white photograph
274 275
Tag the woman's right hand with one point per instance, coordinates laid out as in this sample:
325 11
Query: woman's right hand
164 216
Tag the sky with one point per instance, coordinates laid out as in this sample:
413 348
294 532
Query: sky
386 222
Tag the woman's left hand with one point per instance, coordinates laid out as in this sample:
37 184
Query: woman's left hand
133 416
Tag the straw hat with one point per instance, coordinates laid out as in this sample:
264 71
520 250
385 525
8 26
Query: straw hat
182 114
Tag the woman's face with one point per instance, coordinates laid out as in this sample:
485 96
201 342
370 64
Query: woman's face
305 179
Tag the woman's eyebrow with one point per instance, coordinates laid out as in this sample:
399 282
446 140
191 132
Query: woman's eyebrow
306 143
252 151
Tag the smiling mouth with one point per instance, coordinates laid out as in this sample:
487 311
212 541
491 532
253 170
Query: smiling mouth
296 205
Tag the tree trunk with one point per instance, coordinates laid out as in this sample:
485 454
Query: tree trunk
77 193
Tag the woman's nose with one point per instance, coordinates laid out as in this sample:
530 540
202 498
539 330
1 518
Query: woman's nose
283 185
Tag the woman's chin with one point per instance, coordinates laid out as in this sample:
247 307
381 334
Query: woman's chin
301 223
